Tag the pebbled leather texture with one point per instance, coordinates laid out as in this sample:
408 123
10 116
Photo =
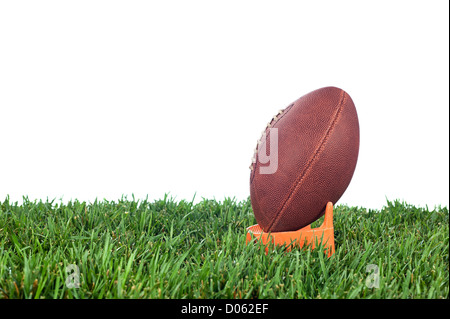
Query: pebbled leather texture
318 145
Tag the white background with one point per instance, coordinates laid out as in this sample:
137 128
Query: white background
104 98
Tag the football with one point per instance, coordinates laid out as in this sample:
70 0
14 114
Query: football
305 158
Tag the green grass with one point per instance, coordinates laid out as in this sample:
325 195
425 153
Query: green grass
168 249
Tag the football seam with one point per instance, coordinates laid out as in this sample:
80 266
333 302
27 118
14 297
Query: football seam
298 182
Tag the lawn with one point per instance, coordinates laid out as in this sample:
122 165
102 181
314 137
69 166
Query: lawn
169 249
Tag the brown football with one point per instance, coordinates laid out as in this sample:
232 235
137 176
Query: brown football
315 144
